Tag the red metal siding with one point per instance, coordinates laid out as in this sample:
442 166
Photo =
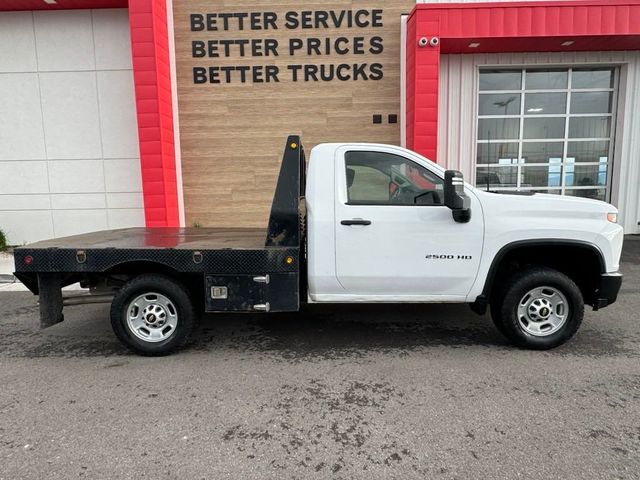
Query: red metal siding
503 27
152 80
544 20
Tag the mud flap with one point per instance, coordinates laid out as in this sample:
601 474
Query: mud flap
50 288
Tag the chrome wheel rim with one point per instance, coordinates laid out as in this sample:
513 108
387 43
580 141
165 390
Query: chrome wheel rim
543 311
152 317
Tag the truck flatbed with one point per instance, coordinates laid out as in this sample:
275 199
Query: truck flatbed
217 254
232 269
154 238
183 250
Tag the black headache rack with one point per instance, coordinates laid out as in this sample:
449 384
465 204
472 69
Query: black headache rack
240 269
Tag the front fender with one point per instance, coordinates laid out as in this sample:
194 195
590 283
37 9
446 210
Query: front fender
484 282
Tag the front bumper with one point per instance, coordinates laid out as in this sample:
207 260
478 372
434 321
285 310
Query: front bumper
607 291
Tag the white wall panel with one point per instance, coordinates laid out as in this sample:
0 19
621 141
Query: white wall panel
458 103
69 160
122 175
72 222
124 218
118 114
112 39
71 119
75 201
18 51
25 226
20 177
64 40
76 176
21 132
124 200
627 148
26 202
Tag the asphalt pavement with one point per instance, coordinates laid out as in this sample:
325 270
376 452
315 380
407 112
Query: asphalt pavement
347 392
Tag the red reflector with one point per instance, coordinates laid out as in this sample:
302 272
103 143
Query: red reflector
28 260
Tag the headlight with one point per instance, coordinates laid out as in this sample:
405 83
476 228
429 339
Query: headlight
612 217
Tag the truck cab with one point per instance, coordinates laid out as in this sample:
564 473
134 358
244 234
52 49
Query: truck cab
379 229
382 229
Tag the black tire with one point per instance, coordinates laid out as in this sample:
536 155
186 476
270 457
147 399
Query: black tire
504 312
180 301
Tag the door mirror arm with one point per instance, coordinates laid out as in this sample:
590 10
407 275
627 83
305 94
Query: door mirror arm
455 198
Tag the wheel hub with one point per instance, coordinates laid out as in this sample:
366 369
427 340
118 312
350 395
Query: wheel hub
154 315
540 309
543 311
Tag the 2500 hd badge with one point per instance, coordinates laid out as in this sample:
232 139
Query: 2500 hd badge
449 257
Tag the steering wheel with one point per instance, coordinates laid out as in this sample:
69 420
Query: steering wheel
403 193
396 193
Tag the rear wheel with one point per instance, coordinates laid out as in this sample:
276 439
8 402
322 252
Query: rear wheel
153 315
539 308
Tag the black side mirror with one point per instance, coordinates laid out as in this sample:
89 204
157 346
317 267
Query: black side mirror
455 198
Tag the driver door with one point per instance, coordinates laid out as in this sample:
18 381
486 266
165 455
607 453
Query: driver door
395 239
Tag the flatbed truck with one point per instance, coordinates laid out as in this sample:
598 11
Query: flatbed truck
364 223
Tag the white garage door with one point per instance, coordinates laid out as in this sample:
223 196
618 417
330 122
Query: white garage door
69 159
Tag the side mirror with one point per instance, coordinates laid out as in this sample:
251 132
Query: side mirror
455 198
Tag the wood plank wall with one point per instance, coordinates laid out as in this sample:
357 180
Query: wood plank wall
232 134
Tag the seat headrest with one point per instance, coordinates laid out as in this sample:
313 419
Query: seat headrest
351 175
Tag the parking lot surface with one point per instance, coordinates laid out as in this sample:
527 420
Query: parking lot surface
421 391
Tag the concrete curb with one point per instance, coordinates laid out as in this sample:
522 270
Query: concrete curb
7 278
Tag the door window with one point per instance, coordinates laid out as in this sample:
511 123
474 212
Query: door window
379 178
547 130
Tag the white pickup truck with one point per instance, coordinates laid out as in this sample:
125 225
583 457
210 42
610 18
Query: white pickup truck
381 224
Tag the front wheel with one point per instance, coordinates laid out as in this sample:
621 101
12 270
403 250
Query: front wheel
152 314
540 309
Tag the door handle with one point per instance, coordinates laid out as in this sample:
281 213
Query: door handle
356 221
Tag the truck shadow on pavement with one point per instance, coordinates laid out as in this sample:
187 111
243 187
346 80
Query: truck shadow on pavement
348 330
335 331
316 332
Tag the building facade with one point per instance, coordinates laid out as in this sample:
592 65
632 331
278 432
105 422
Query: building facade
173 112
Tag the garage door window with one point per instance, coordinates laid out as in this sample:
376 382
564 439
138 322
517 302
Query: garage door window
546 130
